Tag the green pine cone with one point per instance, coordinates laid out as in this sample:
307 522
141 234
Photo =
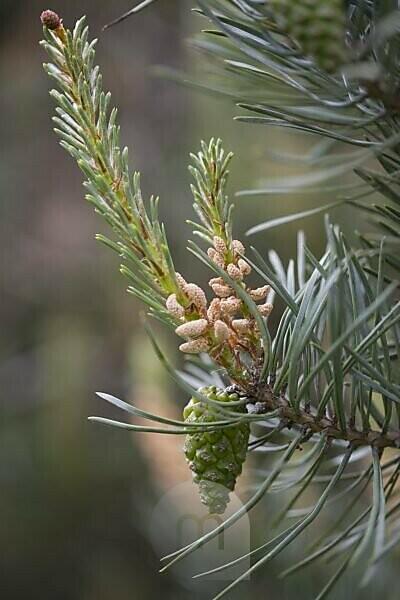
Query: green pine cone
216 458
318 26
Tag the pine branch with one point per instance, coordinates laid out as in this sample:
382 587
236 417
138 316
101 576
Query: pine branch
329 373
89 132
277 81
88 129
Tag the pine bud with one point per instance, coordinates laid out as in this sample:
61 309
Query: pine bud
174 308
221 331
244 267
222 291
238 247
216 257
230 306
234 272
196 296
195 346
241 326
219 245
192 329
50 19
266 309
214 310
260 293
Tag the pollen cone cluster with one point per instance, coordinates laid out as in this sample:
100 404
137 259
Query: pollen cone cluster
318 26
224 323
215 457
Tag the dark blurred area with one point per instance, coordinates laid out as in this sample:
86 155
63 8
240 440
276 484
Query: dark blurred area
76 498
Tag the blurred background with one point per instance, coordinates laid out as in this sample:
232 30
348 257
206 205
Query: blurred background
76 500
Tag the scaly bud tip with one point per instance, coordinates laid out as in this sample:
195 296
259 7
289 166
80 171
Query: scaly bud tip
50 19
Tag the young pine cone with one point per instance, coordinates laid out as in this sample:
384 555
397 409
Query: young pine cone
318 26
215 457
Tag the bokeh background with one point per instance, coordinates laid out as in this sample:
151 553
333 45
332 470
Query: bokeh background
76 499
